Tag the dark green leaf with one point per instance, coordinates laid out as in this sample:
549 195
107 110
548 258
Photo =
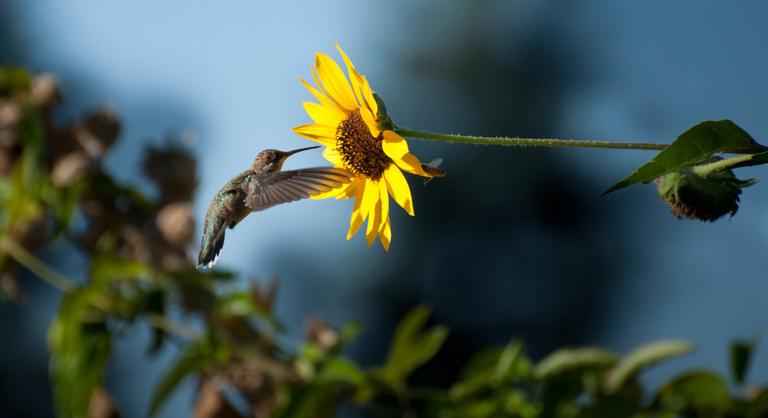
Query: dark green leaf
701 391
692 147
642 358
154 302
740 356
569 359
197 356
412 346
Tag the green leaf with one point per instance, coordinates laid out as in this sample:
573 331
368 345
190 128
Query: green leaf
412 346
491 368
339 369
701 391
14 79
692 147
105 269
80 344
239 304
197 356
569 359
740 356
642 358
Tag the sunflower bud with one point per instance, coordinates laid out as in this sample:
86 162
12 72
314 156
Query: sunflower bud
383 120
698 193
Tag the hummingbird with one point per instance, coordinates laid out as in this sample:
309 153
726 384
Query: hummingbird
261 186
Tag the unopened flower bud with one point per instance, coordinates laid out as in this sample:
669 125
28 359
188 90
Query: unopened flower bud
45 91
693 193
176 223
70 168
97 132
174 170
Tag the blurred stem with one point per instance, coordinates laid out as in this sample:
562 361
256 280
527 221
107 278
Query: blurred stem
35 265
67 285
530 142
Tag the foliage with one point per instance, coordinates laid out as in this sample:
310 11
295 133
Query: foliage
53 187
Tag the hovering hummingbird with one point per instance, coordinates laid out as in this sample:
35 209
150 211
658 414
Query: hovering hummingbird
260 187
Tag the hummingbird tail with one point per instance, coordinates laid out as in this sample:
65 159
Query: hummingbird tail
210 248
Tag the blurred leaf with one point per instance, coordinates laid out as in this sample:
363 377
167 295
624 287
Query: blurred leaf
105 269
80 345
339 369
700 391
740 356
155 302
491 368
570 359
411 347
692 147
14 80
642 358
611 406
758 405
240 304
196 358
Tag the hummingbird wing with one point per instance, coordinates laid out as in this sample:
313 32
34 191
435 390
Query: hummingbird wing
288 186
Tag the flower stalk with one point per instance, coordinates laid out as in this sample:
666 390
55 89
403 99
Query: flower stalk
528 142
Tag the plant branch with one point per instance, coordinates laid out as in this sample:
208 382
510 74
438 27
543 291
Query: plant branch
67 285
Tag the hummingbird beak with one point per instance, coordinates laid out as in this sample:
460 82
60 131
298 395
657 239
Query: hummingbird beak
289 153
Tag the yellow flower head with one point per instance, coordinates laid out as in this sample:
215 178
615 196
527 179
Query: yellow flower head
354 126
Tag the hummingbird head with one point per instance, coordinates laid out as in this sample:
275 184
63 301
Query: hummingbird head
272 159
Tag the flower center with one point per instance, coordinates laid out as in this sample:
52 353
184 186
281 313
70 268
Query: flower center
360 151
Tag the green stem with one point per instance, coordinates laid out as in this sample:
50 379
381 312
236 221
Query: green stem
33 264
530 142
733 162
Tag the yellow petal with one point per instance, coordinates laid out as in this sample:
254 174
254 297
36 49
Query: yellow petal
354 76
384 197
385 236
350 191
360 210
324 100
374 219
334 81
397 149
323 115
368 95
398 188
333 157
370 121
323 134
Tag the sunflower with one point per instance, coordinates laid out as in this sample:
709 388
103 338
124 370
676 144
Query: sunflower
351 121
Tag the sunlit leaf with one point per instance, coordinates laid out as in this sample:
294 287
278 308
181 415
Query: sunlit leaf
694 146
642 358
339 369
14 79
570 359
80 345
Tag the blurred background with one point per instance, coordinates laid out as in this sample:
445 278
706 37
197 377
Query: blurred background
512 243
